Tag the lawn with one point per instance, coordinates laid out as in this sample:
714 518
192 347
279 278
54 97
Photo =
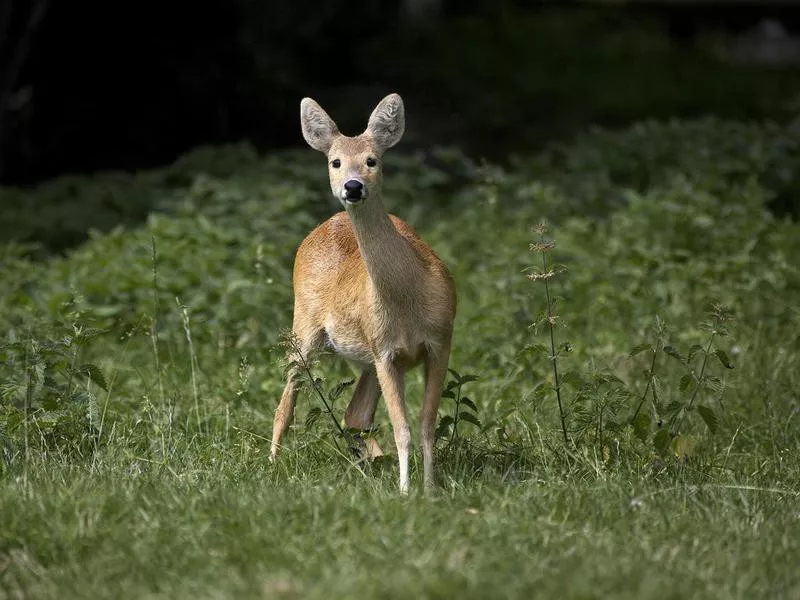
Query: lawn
140 370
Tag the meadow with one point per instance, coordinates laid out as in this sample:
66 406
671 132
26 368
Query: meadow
654 268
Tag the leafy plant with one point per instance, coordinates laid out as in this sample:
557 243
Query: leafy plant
671 417
697 379
550 318
48 389
640 421
303 372
464 409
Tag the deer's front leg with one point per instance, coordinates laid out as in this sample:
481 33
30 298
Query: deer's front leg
306 338
392 380
283 414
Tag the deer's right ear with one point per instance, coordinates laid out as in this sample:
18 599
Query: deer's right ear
318 128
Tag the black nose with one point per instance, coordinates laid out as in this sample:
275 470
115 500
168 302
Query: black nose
353 189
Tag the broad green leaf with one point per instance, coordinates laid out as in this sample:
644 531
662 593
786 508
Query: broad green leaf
536 349
661 441
686 382
446 420
469 418
443 429
641 425
673 352
639 349
683 446
95 374
673 407
709 417
51 403
469 404
694 350
723 358
338 389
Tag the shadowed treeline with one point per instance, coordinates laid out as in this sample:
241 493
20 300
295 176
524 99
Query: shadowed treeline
92 86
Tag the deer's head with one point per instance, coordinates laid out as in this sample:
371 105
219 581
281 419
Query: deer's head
354 163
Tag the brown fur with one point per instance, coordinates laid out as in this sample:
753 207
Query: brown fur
366 284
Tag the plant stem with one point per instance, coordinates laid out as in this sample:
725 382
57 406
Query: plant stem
28 402
193 360
699 381
156 320
650 376
454 435
553 355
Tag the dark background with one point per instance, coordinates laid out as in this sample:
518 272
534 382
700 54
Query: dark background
95 85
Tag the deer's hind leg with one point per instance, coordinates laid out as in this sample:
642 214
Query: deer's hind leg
435 375
360 412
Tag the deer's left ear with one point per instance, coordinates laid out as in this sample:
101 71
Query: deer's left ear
387 122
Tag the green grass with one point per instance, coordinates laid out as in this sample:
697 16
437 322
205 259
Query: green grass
224 526
139 373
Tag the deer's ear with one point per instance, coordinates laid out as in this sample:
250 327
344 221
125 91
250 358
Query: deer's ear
318 128
387 122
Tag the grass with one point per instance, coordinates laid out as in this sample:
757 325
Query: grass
140 370
218 526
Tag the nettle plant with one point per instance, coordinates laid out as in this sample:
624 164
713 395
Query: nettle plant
595 413
48 397
464 409
695 387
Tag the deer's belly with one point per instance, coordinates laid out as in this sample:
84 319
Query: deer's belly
347 343
400 350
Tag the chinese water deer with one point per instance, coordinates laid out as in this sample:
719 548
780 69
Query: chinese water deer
367 286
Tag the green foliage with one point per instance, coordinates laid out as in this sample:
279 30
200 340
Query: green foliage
47 388
669 419
464 409
62 213
141 370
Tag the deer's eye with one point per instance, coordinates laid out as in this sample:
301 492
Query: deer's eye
336 163
371 162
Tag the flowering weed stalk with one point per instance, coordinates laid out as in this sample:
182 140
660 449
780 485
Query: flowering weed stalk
544 246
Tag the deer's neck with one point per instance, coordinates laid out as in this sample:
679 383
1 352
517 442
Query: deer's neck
392 264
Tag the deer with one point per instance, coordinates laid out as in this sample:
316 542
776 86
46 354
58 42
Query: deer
369 288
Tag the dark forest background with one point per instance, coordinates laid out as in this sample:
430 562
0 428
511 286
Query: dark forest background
89 85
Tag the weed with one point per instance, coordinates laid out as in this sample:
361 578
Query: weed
548 271
464 409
